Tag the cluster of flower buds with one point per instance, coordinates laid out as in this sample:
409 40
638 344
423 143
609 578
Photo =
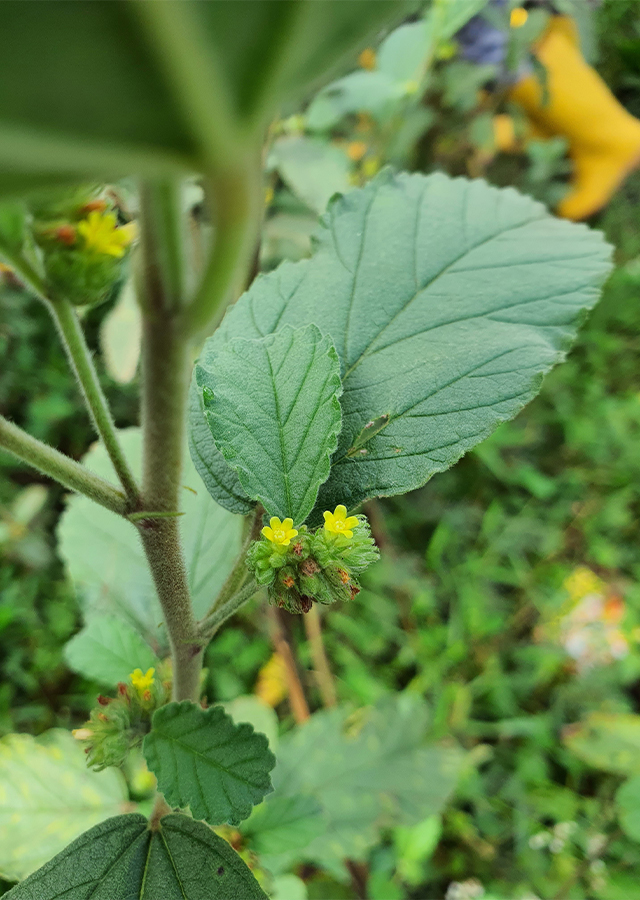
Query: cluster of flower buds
81 245
300 567
119 723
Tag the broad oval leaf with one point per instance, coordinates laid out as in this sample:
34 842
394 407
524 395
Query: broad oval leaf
122 859
106 561
107 650
447 301
379 774
47 790
206 762
273 410
283 824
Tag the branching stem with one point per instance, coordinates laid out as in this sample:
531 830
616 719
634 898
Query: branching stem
75 345
61 468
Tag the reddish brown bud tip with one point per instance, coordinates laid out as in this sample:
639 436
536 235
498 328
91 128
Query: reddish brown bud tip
289 581
94 206
102 717
122 689
146 696
354 591
306 603
297 548
66 234
344 576
104 701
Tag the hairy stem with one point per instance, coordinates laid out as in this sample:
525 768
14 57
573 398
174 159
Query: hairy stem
165 378
165 367
66 319
60 467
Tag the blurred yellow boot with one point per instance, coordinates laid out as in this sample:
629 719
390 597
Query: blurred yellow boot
604 139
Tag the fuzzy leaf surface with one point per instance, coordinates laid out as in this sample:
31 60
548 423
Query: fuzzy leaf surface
121 859
107 650
105 559
47 790
273 409
447 301
203 760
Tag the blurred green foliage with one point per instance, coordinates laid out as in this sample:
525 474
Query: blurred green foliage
472 605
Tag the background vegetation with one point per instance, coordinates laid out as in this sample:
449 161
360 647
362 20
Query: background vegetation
509 591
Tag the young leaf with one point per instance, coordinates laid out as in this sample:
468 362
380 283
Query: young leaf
107 650
106 561
447 301
47 790
204 761
122 859
219 478
273 409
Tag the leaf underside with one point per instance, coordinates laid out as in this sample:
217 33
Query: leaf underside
447 301
203 760
121 859
275 415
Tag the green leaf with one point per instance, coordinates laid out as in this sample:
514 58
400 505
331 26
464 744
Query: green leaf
273 409
447 301
218 478
47 790
628 802
607 741
105 559
59 57
122 859
314 169
108 650
204 761
366 773
282 824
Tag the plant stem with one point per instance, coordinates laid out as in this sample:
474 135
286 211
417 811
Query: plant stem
214 620
165 378
324 676
60 467
66 319
236 205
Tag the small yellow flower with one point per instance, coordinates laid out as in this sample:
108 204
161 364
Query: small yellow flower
142 682
280 532
367 59
518 17
102 234
337 522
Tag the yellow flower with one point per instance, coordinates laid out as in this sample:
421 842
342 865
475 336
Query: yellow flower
280 532
518 17
367 58
337 522
142 682
582 582
102 234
